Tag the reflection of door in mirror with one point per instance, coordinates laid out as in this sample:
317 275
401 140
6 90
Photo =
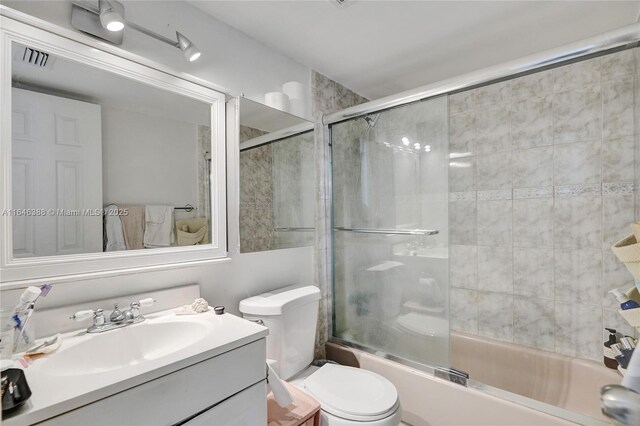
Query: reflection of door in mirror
56 175
87 142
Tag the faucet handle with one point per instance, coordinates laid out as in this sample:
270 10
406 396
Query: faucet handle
149 301
135 308
117 315
83 315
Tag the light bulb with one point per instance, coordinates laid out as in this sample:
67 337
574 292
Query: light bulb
110 18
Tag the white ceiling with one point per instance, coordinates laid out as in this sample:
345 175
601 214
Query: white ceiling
379 48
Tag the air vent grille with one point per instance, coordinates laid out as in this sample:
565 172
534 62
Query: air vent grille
33 57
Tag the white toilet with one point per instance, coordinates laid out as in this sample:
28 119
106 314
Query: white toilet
348 396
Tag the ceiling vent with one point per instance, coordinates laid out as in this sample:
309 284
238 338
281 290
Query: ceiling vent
33 57
344 3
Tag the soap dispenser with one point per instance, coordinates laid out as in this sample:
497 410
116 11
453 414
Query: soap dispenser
625 302
609 355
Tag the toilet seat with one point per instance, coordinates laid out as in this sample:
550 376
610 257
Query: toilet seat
352 393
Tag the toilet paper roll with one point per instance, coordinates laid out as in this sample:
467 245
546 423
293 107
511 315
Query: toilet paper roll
280 393
298 107
277 100
294 89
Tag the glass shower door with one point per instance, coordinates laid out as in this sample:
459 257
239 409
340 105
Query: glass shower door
390 231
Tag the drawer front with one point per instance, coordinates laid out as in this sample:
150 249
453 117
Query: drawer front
175 397
248 408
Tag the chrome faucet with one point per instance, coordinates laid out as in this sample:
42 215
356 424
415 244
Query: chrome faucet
621 404
117 319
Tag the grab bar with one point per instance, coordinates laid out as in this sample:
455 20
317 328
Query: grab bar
294 229
389 231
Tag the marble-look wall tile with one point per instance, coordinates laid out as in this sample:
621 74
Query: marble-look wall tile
578 276
495 269
531 86
578 163
578 222
327 97
462 222
617 109
533 272
495 194
533 222
617 214
529 193
494 223
577 115
561 191
494 171
612 319
464 310
576 75
462 133
618 188
533 167
461 102
493 94
618 160
532 123
463 266
533 322
578 330
616 275
495 315
492 130
547 208
619 65
462 174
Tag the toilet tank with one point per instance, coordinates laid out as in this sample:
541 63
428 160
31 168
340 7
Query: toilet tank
291 314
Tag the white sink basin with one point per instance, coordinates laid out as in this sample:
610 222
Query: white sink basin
127 346
90 367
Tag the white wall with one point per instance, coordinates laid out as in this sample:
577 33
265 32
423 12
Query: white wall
148 160
221 284
230 58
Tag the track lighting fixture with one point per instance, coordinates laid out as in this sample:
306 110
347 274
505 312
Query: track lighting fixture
110 16
189 50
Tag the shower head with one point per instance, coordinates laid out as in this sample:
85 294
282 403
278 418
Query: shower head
371 121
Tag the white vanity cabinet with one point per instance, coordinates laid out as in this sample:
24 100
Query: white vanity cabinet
229 389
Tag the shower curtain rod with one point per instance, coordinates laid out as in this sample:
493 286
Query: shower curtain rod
609 40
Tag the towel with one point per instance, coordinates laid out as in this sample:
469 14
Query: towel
133 226
113 229
193 231
158 231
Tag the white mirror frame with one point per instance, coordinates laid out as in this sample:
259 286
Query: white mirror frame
17 272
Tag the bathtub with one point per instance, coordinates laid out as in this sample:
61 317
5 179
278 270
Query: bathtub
566 382
568 388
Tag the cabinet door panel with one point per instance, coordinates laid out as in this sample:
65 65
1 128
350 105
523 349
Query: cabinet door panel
248 408
177 396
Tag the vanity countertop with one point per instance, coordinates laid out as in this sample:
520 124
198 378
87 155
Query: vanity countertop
61 383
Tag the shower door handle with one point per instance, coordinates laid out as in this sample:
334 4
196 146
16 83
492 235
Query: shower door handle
389 231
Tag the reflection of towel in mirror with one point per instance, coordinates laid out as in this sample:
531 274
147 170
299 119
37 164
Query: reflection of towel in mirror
158 231
192 231
133 226
114 237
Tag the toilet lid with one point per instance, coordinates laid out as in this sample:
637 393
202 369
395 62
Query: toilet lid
352 393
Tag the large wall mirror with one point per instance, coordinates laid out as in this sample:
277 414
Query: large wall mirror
104 157
276 179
